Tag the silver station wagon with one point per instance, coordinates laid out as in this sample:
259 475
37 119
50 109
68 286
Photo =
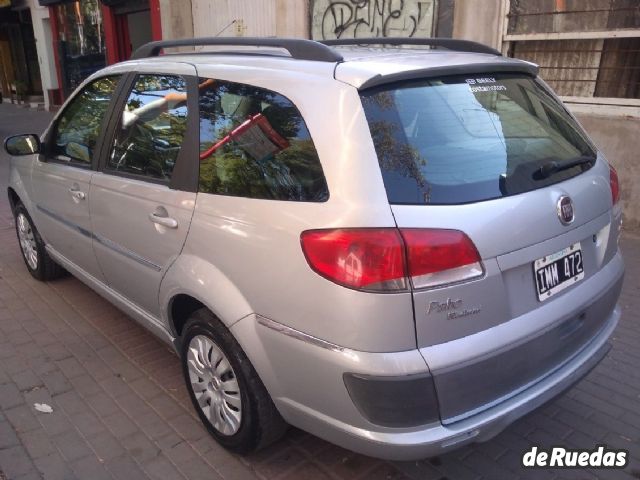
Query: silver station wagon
398 249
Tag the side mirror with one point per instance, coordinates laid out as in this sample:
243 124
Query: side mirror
22 144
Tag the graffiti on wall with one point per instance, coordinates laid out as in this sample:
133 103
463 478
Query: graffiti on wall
372 18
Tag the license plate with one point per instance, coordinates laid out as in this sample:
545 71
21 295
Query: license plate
558 271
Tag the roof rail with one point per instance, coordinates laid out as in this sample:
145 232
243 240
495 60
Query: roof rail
448 43
299 49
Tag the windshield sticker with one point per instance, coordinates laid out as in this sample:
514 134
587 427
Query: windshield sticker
480 85
473 81
489 88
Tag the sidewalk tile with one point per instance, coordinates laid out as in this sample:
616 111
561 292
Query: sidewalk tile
15 461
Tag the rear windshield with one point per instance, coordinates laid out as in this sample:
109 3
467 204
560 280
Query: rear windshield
464 139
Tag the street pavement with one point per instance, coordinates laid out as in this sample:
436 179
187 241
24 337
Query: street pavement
121 411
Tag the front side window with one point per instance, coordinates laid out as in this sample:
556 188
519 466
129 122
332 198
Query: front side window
254 143
470 138
79 126
149 135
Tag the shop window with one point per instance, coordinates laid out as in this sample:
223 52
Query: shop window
81 41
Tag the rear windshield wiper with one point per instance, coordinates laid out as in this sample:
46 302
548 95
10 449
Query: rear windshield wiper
549 168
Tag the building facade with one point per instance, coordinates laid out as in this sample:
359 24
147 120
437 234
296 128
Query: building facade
48 47
21 32
87 35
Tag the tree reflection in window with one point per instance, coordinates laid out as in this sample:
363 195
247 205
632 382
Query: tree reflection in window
152 128
463 139
254 143
79 125
395 153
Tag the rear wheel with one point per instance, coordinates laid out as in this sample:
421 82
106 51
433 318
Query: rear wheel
225 389
40 265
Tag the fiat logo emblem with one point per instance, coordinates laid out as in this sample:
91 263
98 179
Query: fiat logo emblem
565 210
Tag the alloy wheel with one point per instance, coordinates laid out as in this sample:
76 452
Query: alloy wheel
27 241
214 384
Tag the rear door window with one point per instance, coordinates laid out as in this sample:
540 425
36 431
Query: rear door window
465 139
152 127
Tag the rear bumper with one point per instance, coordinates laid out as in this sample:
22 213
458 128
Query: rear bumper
490 422
305 378
478 371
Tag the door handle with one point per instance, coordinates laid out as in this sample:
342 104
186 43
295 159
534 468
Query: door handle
77 194
165 221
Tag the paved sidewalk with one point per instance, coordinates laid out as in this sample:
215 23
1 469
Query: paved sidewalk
121 411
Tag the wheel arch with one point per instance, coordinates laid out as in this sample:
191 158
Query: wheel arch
192 283
14 198
18 188
181 307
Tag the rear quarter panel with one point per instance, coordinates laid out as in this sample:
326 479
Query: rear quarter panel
253 245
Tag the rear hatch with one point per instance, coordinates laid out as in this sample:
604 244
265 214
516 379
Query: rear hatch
499 158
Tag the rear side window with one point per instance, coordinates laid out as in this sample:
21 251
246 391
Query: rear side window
465 139
254 143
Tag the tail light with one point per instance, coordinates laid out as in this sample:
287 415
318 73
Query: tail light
386 259
615 185
364 259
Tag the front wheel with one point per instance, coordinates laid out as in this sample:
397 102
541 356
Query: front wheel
225 389
40 265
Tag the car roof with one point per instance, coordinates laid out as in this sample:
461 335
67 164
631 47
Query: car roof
360 66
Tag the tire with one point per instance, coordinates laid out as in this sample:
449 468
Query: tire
230 398
40 265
